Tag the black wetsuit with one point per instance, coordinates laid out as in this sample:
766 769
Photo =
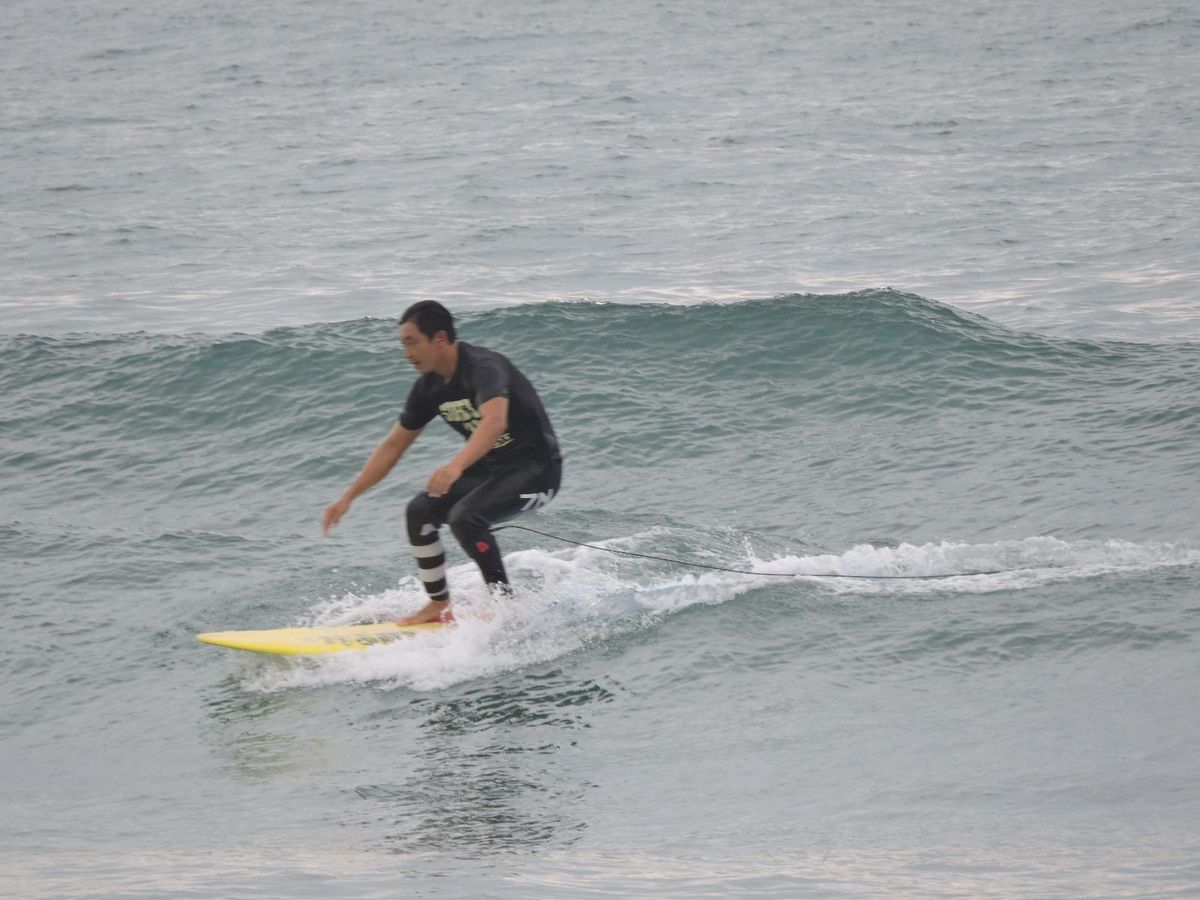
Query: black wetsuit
522 471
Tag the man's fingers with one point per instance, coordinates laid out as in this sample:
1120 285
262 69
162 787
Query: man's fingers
331 518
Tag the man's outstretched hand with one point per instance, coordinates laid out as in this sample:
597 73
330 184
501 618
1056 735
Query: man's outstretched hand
334 513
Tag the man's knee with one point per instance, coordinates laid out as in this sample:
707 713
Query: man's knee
419 508
421 512
465 523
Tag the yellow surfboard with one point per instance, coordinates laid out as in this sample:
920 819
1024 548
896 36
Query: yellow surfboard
313 641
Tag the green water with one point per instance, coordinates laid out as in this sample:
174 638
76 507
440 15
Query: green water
626 724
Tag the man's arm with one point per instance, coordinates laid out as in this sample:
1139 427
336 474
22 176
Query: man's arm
379 463
494 422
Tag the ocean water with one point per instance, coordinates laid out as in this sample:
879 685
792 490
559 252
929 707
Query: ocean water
872 338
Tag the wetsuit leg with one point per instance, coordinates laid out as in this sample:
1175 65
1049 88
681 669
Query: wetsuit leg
424 518
507 493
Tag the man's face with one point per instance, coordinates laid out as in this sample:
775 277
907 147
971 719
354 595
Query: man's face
422 352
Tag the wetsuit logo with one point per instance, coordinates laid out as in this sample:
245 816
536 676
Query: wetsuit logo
464 415
536 501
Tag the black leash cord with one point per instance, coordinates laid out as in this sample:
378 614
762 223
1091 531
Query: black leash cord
696 565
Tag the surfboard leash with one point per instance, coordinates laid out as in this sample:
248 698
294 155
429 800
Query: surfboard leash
700 565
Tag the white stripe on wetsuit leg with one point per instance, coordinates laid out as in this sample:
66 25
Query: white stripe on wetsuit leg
431 562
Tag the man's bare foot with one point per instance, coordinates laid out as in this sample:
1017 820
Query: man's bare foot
433 611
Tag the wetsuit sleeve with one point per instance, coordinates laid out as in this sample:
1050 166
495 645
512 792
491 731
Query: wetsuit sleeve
491 381
418 408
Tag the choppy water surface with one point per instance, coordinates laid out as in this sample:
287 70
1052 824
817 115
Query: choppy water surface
218 166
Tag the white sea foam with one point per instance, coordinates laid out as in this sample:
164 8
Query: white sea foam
571 599
1002 566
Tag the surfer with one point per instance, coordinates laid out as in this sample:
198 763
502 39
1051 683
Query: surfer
510 463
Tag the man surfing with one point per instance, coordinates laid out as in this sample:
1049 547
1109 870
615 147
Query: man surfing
510 462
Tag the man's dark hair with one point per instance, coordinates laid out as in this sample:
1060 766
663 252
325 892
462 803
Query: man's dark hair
430 317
